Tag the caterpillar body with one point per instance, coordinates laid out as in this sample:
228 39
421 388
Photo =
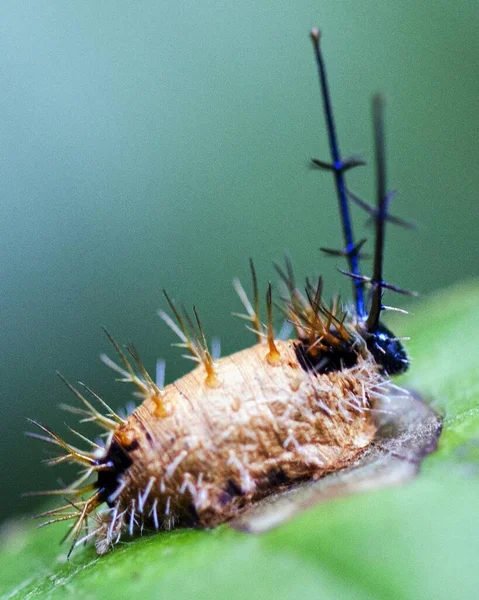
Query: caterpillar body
236 430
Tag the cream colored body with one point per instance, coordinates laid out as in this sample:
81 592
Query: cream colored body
209 451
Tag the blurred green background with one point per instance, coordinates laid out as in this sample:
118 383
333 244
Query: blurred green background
160 144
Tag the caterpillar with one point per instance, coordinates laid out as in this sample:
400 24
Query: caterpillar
221 443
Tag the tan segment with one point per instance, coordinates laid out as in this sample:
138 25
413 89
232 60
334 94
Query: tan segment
220 448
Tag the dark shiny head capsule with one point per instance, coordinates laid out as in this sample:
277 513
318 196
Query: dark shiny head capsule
388 351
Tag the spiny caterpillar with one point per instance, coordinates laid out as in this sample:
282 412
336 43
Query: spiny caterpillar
238 431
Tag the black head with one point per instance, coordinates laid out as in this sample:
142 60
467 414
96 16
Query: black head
387 350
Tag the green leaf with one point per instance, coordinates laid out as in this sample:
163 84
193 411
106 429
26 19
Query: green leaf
418 541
